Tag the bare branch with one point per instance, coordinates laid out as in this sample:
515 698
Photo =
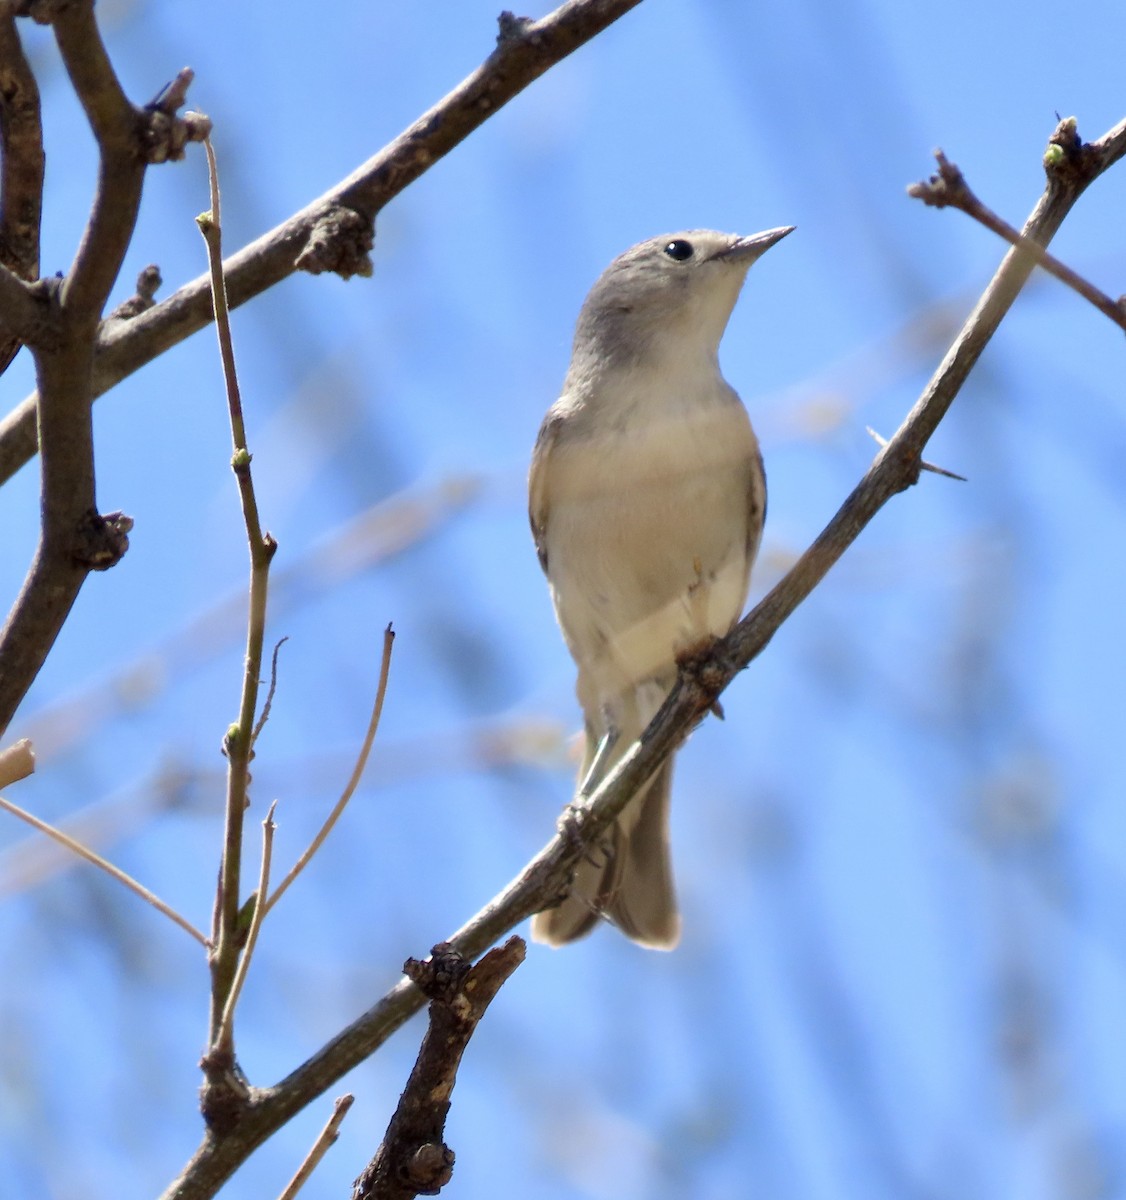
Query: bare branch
519 60
948 189
353 782
699 684
413 1158
238 744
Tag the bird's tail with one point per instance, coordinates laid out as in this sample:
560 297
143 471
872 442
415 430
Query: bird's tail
627 878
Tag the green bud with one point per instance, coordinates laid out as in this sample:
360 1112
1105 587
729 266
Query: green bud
1053 157
246 913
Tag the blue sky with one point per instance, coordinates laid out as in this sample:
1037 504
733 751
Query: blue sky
900 858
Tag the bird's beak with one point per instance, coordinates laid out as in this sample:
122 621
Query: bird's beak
746 250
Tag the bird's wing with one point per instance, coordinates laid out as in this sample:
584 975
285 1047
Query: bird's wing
756 506
537 483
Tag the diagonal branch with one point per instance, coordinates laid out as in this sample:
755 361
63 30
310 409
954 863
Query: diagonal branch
949 189
524 53
895 468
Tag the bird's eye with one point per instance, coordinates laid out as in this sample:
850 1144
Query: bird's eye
680 250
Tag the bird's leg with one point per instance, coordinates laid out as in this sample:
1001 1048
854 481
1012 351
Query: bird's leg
597 769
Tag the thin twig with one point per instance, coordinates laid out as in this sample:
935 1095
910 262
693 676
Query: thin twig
17 762
353 782
948 189
238 742
320 1147
270 691
117 873
224 1038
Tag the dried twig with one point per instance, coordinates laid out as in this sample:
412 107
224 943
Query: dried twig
76 847
353 782
268 703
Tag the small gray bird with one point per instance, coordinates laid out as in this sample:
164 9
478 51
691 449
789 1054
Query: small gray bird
647 498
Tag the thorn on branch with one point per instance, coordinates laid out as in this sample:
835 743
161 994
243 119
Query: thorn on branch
339 242
148 283
923 464
101 541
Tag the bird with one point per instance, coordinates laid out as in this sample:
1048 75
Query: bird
647 497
